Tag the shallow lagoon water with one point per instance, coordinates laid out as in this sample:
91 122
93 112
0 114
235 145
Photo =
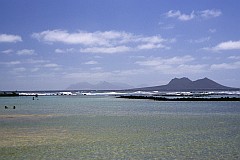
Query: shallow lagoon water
105 127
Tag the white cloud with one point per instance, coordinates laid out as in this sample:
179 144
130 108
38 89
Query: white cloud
10 38
26 52
211 30
229 45
200 40
116 49
210 13
180 16
8 51
150 46
20 69
234 57
207 14
12 63
190 68
68 50
165 61
233 65
174 65
27 61
51 65
173 13
185 17
84 38
102 42
91 62
59 51
33 61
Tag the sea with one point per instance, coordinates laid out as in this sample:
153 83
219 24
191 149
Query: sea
98 125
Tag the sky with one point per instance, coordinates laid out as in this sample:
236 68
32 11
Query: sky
51 44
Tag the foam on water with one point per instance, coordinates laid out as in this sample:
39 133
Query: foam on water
140 93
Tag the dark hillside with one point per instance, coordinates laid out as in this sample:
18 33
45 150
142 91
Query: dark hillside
185 84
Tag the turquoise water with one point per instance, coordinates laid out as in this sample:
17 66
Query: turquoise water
105 127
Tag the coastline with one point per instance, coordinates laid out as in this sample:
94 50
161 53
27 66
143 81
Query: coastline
180 99
153 95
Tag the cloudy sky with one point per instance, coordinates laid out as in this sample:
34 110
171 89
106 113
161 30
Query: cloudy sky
50 44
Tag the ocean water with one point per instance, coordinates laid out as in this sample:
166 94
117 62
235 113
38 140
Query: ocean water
105 127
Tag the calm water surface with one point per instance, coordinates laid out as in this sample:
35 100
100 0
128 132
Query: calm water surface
95 127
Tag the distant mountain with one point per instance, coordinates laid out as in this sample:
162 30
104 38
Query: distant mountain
99 86
185 84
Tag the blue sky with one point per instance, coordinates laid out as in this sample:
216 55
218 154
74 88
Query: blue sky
50 44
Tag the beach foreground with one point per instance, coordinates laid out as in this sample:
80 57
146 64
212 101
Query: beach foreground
110 128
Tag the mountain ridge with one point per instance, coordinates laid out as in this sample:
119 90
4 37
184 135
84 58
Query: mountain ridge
99 86
185 84
175 84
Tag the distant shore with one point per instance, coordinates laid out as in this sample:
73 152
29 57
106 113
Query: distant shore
9 94
181 99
